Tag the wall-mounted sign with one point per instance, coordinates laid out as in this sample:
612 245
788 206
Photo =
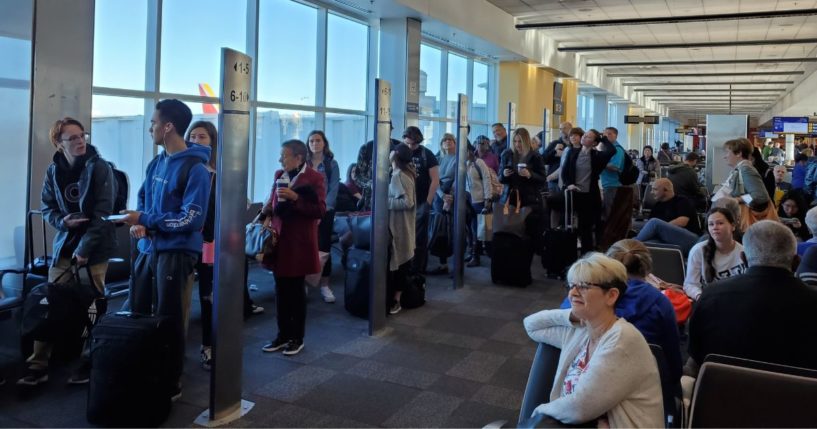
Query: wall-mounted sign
652 120
558 106
632 119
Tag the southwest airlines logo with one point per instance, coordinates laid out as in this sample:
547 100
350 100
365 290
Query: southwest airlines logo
206 91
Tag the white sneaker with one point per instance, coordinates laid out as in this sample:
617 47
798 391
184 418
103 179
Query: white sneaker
327 294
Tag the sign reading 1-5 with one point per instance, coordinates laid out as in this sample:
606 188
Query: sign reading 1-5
236 91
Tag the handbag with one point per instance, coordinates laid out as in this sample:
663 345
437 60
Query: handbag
510 221
485 227
749 217
680 302
440 242
256 234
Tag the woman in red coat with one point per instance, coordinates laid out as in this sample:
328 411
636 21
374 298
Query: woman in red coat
293 210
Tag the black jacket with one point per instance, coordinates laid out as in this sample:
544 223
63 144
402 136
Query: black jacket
96 239
529 188
685 182
549 155
598 160
765 314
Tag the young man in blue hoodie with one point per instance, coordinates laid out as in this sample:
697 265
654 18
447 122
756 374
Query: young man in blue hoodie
168 221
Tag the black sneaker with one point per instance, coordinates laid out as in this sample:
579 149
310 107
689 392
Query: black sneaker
82 375
276 345
33 377
293 348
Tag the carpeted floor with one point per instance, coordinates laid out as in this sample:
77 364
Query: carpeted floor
462 360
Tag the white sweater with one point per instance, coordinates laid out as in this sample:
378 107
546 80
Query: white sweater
725 266
621 380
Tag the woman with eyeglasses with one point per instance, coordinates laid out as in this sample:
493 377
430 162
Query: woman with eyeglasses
78 191
606 370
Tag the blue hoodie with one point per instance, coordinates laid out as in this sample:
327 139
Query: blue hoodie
175 217
653 315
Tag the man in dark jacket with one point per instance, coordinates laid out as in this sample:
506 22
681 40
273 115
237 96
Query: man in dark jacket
765 314
78 191
364 174
685 181
500 142
168 221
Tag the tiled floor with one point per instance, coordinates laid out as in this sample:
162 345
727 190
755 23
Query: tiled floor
461 360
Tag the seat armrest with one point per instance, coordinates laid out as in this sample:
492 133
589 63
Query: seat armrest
540 380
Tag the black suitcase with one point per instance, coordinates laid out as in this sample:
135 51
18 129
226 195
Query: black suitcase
510 263
356 283
131 384
560 245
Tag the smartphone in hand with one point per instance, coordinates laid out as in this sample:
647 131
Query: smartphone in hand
115 218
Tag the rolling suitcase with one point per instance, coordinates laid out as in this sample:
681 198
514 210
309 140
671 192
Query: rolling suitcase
356 283
510 263
560 244
131 384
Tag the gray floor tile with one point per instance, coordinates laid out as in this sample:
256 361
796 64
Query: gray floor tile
420 355
499 397
297 417
482 327
296 384
473 414
513 374
477 366
455 386
357 398
512 332
527 352
336 361
363 347
428 409
500 348
394 374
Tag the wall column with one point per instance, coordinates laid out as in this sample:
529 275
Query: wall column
400 65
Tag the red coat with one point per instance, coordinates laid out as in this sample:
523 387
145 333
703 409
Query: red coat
297 223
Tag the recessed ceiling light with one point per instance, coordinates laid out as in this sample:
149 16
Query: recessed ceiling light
585 10
786 25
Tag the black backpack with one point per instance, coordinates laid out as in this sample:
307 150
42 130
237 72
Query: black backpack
629 173
122 188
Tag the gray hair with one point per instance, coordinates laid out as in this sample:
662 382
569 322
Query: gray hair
769 244
730 204
811 220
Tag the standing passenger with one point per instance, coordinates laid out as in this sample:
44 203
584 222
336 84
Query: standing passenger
78 191
402 199
364 175
444 197
426 184
168 221
323 161
293 212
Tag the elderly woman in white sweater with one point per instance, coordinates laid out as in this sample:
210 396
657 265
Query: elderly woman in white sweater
606 369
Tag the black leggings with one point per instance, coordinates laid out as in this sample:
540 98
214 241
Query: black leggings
325 229
291 307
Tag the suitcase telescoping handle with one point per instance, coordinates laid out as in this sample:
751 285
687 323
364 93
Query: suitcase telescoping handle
569 212
30 253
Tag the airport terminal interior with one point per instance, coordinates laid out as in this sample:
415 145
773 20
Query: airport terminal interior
435 175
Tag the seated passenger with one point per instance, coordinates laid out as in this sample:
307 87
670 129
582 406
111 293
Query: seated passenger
673 220
798 173
807 270
792 212
811 224
643 305
716 258
685 181
767 314
606 369
781 187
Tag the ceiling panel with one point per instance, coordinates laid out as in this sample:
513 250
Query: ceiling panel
723 31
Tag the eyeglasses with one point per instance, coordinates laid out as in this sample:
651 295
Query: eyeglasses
76 138
584 287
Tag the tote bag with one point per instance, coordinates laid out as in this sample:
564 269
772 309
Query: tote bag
510 219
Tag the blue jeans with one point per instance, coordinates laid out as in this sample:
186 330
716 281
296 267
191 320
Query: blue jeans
657 230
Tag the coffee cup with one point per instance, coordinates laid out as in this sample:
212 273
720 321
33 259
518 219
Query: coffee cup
521 166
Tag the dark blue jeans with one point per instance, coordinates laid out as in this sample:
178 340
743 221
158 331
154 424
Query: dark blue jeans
657 230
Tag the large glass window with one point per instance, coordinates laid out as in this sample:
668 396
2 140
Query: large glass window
15 90
457 82
479 98
273 127
347 43
193 33
287 52
346 133
119 56
430 76
119 131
